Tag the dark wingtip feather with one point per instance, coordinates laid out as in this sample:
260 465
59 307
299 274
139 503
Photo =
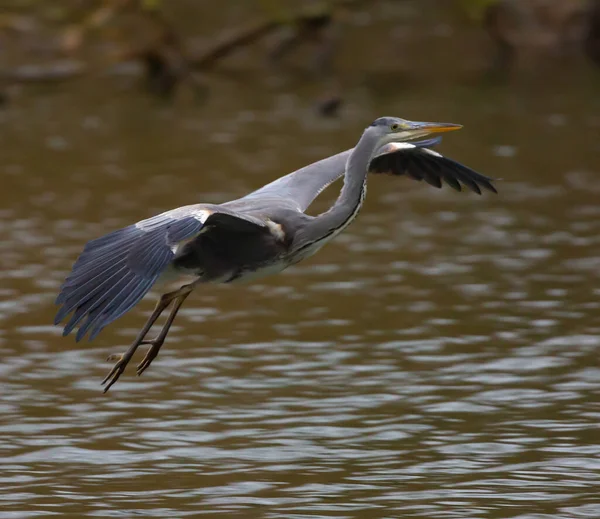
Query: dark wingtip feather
465 175
420 163
487 184
433 180
453 183
472 185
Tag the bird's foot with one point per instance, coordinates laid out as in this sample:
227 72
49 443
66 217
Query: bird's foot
151 354
117 370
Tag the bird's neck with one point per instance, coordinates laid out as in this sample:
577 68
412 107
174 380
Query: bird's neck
354 190
327 225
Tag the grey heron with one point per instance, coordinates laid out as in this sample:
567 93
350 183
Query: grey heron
262 233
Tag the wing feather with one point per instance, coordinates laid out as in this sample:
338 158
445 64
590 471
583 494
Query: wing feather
301 187
74 296
421 163
138 291
95 311
115 271
430 175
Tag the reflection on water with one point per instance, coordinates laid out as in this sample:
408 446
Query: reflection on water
440 359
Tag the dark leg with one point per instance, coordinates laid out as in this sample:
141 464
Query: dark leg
124 358
155 344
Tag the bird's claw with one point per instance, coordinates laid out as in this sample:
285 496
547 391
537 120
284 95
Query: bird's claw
123 359
142 366
116 370
151 354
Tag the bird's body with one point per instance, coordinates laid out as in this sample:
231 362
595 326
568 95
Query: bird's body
261 243
260 234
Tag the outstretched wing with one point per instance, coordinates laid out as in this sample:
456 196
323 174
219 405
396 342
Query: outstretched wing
304 185
114 272
421 163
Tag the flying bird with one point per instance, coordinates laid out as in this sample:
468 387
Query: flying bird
260 234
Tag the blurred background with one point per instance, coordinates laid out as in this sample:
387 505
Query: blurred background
438 360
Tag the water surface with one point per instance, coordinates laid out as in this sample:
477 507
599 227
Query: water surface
438 360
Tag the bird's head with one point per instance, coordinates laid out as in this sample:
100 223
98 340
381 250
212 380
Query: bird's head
394 129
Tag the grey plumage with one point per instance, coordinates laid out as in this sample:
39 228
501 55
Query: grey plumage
261 233
114 272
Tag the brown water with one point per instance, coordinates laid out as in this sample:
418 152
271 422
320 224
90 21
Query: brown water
439 359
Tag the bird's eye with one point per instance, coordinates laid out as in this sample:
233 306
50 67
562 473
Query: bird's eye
395 127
